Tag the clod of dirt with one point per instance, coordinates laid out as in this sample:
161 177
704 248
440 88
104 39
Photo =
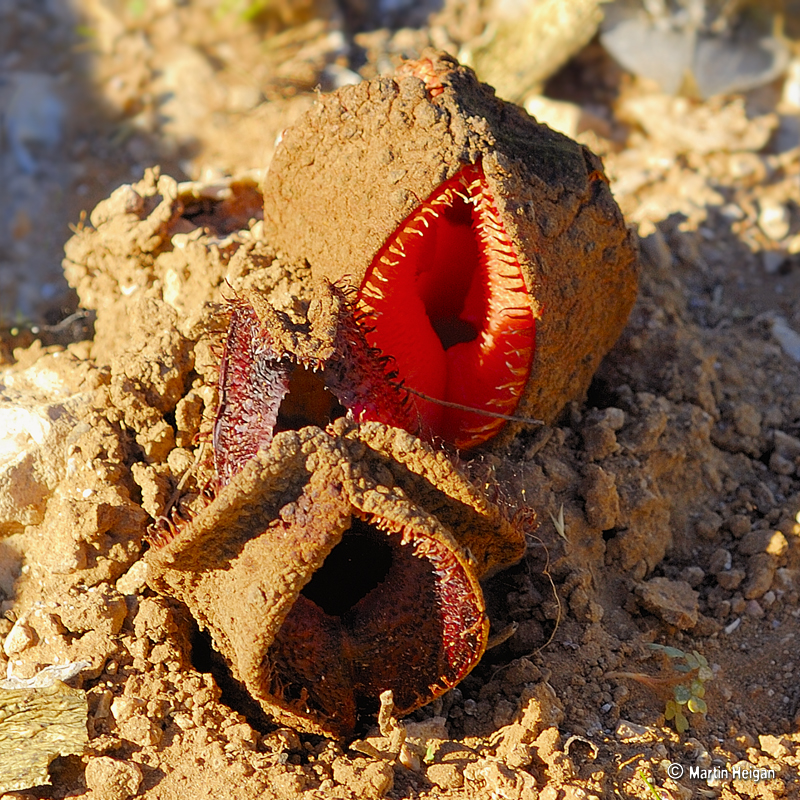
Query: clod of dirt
483 228
674 601
356 555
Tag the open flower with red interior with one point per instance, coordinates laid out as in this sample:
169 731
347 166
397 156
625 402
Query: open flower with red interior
335 565
491 261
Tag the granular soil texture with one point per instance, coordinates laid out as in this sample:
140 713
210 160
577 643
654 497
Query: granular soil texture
667 502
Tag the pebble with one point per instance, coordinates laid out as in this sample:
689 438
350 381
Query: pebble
760 573
122 708
774 219
599 490
693 575
780 465
730 579
786 446
757 541
134 580
627 731
19 638
673 601
657 250
721 560
445 776
730 628
775 746
786 337
739 525
754 609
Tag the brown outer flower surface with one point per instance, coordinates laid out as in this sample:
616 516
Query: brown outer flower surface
274 569
353 171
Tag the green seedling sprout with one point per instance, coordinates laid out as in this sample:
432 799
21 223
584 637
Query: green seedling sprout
691 690
650 786
246 10
687 688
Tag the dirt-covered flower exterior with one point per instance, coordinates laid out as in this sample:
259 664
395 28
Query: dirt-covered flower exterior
490 258
331 565
335 565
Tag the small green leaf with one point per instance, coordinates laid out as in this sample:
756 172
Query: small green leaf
681 723
681 694
672 652
701 658
671 710
682 668
430 752
697 706
705 674
698 689
692 662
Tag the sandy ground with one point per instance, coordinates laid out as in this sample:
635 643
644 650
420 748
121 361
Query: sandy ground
668 501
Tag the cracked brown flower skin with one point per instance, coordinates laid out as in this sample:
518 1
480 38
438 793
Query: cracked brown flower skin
258 569
365 158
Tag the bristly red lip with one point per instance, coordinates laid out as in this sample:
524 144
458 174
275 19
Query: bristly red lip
446 298
360 618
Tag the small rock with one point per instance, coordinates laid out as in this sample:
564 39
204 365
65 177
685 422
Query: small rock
140 730
123 708
760 573
729 629
764 498
780 465
739 525
755 542
445 776
19 638
693 575
777 545
730 579
602 500
787 580
747 420
599 441
787 337
656 250
673 601
775 746
110 779
753 609
707 526
721 560
366 779
522 671
786 446
134 580
630 731
774 219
